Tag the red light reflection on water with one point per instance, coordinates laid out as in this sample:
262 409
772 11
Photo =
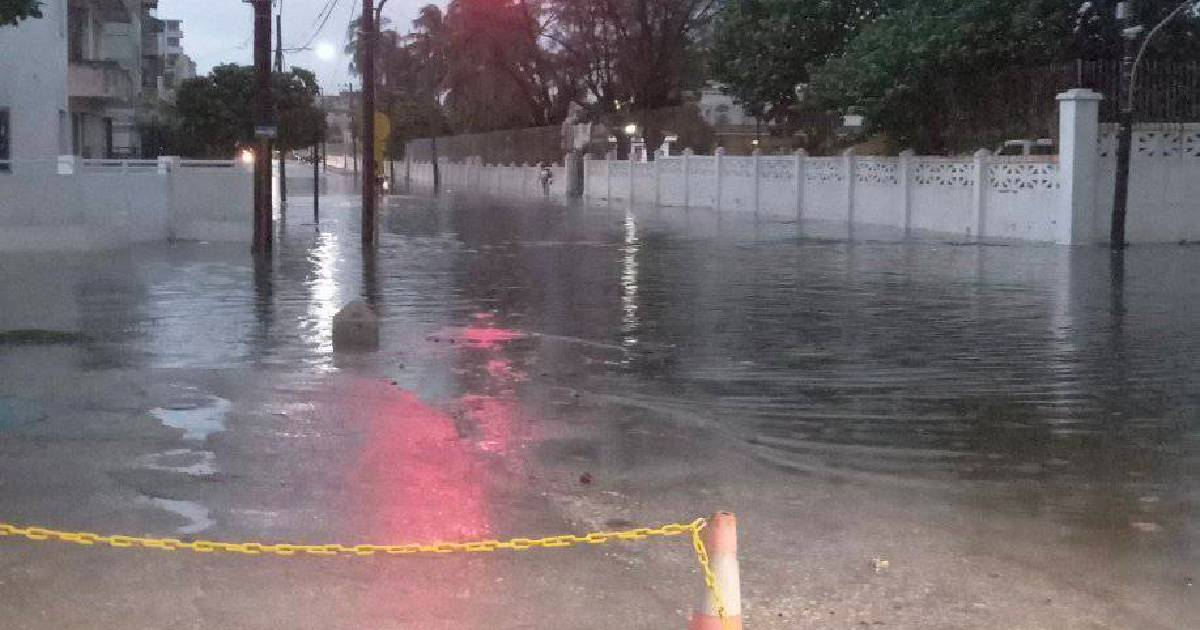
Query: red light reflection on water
422 481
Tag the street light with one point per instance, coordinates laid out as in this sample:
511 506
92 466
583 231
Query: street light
631 129
1129 67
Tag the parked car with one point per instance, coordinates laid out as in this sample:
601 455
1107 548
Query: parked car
1041 146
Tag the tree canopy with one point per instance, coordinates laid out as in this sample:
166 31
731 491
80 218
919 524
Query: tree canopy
763 50
13 11
214 114
901 67
495 64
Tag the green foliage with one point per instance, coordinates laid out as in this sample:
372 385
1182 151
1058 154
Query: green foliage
901 68
213 115
762 49
13 11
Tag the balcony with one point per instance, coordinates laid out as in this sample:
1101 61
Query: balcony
99 80
120 11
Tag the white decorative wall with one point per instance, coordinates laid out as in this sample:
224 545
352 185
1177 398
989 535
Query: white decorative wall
1064 199
73 204
498 179
1164 183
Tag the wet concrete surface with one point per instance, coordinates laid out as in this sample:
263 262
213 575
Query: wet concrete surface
1014 429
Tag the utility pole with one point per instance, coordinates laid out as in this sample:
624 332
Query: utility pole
264 130
279 69
1124 127
353 130
368 122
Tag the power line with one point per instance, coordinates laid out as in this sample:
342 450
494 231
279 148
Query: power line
324 15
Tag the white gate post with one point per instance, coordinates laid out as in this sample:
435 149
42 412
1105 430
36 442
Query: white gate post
1078 162
757 162
608 162
632 183
979 193
687 183
849 163
800 174
658 154
905 176
717 163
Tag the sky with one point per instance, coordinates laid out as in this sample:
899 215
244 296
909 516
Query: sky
221 31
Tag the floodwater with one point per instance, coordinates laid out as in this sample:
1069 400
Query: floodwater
1016 427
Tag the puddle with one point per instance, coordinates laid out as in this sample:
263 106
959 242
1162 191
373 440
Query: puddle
15 412
198 420
181 460
197 516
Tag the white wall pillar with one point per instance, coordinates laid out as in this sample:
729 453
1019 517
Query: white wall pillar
717 164
1078 162
632 182
687 183
757 164
800 175
587 175
979 193
658 155
608 177
68 164
905 177
849 163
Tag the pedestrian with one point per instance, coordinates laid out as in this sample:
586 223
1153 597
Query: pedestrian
547 178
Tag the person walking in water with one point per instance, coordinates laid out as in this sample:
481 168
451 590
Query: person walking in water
547 178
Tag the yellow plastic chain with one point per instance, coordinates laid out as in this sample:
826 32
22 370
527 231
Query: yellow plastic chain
335 549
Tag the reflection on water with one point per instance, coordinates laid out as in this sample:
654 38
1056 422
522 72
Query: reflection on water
1071 380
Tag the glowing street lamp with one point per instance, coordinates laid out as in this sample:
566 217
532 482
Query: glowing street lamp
247 156
631 129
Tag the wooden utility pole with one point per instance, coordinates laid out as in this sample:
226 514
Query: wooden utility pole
1116 234
279 68
368 122
264 128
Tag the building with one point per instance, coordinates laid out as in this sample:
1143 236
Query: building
164 64
340 114
33 88
82 91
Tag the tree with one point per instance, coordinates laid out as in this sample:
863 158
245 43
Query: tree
13 11
763 49
630 53
215 114
908 67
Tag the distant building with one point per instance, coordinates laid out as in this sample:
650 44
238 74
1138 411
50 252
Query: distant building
33 88
78 80
164 64
339 116
720 109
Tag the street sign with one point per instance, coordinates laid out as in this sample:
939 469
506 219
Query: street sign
265 131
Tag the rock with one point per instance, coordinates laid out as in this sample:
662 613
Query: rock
356 327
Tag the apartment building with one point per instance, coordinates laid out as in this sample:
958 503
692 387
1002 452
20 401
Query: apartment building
73 82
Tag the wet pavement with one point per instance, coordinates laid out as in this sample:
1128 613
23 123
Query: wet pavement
1015 429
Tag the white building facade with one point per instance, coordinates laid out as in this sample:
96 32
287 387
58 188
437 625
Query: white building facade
73 82
33 88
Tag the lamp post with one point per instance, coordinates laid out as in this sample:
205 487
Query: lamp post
1129 34
1129 67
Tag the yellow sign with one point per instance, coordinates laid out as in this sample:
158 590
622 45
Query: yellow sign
383 131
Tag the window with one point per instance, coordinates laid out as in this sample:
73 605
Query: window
5 150
75 27
172 41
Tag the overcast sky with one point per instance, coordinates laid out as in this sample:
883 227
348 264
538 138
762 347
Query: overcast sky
221 31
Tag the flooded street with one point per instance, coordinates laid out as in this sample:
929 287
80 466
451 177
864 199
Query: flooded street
1015 429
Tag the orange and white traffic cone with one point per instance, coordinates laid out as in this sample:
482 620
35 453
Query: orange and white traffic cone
720 538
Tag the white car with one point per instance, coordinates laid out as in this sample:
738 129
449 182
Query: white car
1041 146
